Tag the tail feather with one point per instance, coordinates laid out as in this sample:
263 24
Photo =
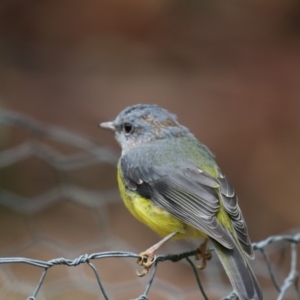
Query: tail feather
239 272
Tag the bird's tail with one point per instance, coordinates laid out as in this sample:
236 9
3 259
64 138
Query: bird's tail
239 272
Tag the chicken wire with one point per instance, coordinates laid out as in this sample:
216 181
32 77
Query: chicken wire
92 154
290 280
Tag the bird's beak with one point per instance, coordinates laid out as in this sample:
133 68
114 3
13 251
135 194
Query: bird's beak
108 125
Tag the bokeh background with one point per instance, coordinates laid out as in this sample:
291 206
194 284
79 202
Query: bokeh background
230 71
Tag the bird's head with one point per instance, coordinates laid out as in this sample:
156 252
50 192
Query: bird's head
143 123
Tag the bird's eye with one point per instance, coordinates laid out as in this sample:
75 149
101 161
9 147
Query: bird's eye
127 128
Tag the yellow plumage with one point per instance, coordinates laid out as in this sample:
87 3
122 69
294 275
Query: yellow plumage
156 218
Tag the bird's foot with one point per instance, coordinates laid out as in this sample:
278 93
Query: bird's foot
203 254
148 257
146 260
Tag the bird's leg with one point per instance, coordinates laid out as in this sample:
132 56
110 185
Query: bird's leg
204 254
148 257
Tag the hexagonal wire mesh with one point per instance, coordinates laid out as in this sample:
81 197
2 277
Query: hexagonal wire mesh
279 266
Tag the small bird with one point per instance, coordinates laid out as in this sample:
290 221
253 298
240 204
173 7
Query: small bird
171 182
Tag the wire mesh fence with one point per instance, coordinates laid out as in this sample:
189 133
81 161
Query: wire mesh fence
282 288
37 145
276 256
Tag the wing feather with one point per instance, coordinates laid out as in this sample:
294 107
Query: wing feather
230 202
187 193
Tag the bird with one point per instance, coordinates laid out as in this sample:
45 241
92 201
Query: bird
171 182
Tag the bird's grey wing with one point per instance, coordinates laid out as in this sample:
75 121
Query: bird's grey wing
230 202
188 193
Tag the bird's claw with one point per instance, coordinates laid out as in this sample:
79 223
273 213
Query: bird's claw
203 254
146 260
204 257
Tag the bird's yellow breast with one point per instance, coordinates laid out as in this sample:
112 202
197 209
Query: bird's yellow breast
154 216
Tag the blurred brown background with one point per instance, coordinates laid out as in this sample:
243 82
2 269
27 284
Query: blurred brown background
229 70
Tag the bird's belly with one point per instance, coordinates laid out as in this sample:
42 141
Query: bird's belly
156 217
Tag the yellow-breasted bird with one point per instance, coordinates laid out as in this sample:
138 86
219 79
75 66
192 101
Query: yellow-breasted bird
171 182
